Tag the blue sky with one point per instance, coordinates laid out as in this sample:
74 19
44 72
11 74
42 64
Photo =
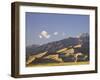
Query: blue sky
42 28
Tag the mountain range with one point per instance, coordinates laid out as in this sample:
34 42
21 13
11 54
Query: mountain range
70 49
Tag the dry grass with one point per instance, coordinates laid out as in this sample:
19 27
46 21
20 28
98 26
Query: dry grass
58 64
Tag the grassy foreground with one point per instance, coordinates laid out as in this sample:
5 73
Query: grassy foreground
58 64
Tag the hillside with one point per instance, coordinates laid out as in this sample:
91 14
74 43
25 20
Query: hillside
72 49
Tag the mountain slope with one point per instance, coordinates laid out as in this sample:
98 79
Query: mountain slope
65 50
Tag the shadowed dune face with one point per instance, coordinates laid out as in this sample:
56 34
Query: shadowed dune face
54 57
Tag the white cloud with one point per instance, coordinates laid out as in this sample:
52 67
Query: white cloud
55 33
48 36
45 34
40 36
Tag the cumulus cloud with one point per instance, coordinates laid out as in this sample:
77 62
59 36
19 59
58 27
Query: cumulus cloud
40 36
48 36
44 34
55 33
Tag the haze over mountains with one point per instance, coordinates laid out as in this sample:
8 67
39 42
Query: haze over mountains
70 49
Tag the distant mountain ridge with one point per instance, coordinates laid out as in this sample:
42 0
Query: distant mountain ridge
78 44
56 45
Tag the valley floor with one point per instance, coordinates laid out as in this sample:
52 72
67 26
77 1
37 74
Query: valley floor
58 64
